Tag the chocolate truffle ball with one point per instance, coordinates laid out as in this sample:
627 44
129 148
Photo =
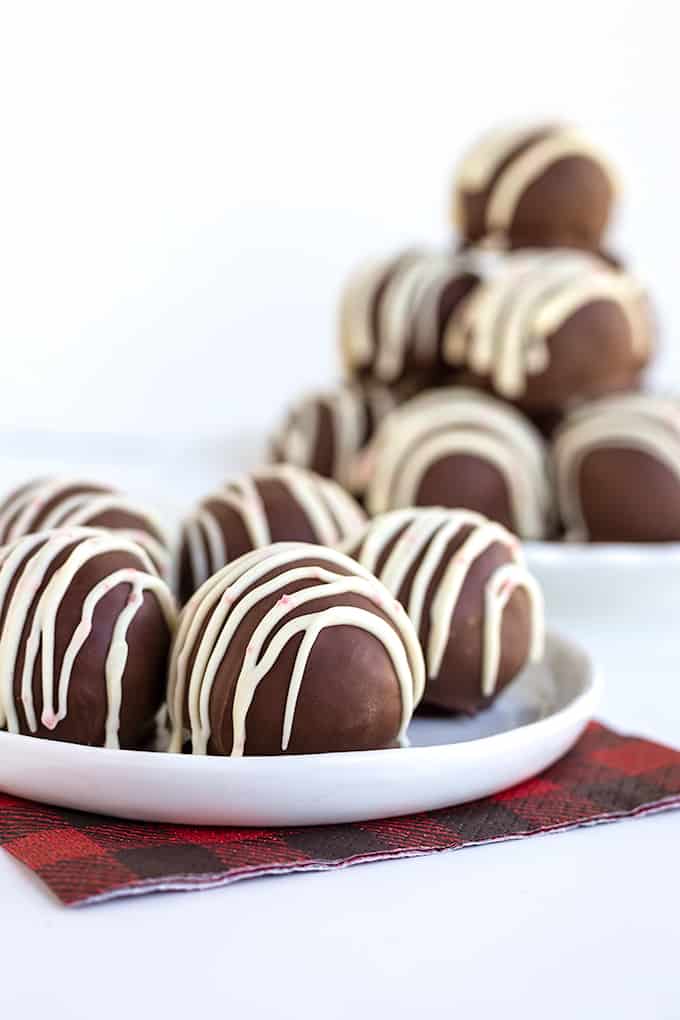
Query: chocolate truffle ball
617 468
293 649
551 329
542 186
85 630
462 580
460 448
393 315
48 503
328 432
273 504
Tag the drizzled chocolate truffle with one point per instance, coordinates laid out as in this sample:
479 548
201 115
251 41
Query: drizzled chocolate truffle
328 432
460 448
48 503
617 468
549 329
462 580
393 314
542 186
273 504
85 630
293 649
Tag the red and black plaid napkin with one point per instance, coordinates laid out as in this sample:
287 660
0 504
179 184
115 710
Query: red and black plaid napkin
86 858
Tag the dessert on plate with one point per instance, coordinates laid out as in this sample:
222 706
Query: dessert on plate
85 630
46 503
462 580
293 649
276 503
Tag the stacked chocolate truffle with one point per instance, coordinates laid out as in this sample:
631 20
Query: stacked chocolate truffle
499 358
617 470
543 185
293 648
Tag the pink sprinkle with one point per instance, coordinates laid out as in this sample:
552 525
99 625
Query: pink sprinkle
228 597
285 600
49 720
249 650
364 466
134 599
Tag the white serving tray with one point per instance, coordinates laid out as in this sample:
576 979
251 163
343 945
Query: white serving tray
451 760
620 585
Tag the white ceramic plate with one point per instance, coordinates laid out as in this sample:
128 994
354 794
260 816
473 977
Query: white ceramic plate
622 584
532 724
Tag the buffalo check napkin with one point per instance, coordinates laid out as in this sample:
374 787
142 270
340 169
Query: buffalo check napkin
84 858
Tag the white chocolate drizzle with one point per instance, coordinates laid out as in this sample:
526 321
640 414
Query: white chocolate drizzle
461 421
635 421
25 563
479 164
503 328
357 339
331 512
211 620
77 503
402 297
424 535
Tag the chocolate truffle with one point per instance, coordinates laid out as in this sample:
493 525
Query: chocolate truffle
85 630
393 315
48 503
455 448
328 432
293 649
617 468
542 186
476 609
273 504
550 329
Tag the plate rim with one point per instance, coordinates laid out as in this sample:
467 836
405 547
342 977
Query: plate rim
594 554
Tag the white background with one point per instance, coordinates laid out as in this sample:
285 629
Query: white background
183 186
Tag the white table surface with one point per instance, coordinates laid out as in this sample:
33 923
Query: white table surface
580 924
